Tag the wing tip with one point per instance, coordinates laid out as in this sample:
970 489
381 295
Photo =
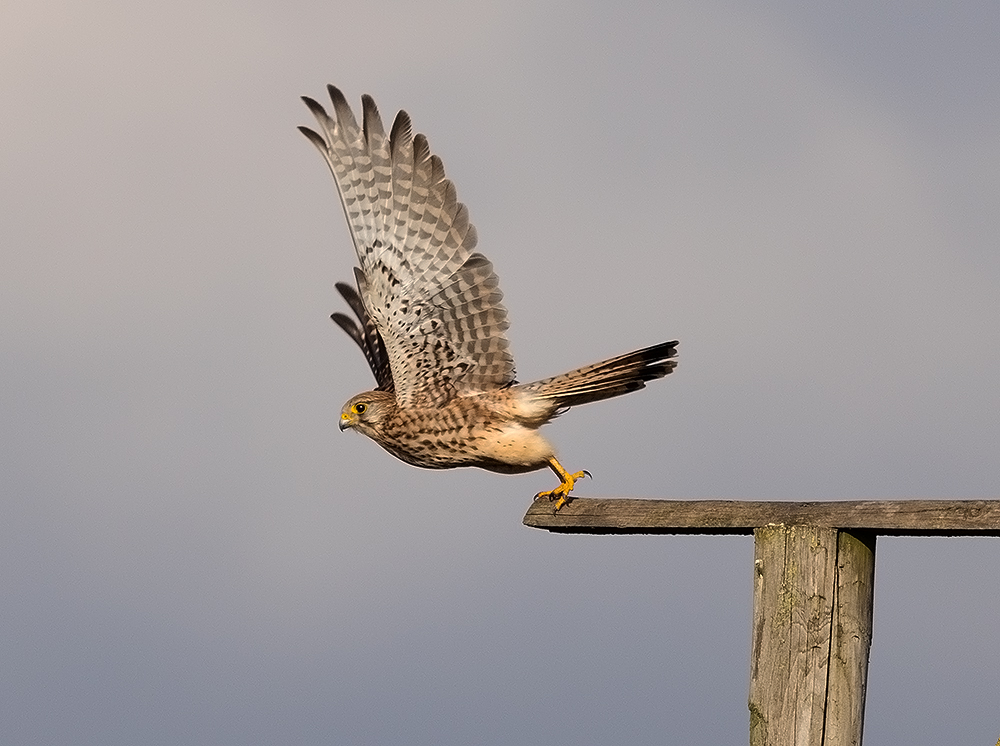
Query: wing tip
336 95
314 137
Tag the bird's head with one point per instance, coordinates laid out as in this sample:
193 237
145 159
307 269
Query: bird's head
366 412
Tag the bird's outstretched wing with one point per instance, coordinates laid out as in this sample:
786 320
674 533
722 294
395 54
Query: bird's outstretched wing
434 302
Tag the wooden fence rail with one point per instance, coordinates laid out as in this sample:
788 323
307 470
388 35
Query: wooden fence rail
814 584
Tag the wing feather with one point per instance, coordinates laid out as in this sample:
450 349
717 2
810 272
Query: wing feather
435 305
365 335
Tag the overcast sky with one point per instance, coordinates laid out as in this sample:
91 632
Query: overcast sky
805 194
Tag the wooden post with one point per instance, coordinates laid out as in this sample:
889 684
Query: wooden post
812 618
852 638
814 583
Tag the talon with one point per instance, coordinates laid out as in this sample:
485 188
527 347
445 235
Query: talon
560 494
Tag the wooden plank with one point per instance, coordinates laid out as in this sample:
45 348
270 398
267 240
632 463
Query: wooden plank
795 570
851 639
884 517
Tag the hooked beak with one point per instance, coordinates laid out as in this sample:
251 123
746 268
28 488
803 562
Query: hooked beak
345 421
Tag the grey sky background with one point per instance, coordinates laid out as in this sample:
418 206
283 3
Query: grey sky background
805 195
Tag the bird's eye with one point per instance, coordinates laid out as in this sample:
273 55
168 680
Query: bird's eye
360 407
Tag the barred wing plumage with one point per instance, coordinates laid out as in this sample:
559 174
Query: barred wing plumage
435 303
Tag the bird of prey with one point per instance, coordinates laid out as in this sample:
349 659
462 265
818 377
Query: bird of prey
429 316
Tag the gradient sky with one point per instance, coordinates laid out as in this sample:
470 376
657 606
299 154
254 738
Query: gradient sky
805 194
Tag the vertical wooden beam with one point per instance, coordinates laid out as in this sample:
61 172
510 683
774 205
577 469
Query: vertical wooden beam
811 635
794 577
852 638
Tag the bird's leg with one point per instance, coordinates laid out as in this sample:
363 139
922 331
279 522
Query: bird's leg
561 493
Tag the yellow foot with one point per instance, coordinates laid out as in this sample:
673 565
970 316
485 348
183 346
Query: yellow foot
561 493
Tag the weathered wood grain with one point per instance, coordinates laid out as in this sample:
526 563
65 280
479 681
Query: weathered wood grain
812 622
851 639
884 517
795 569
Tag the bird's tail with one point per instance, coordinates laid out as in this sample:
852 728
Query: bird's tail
606 379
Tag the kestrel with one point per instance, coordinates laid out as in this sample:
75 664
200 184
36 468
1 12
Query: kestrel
430 320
